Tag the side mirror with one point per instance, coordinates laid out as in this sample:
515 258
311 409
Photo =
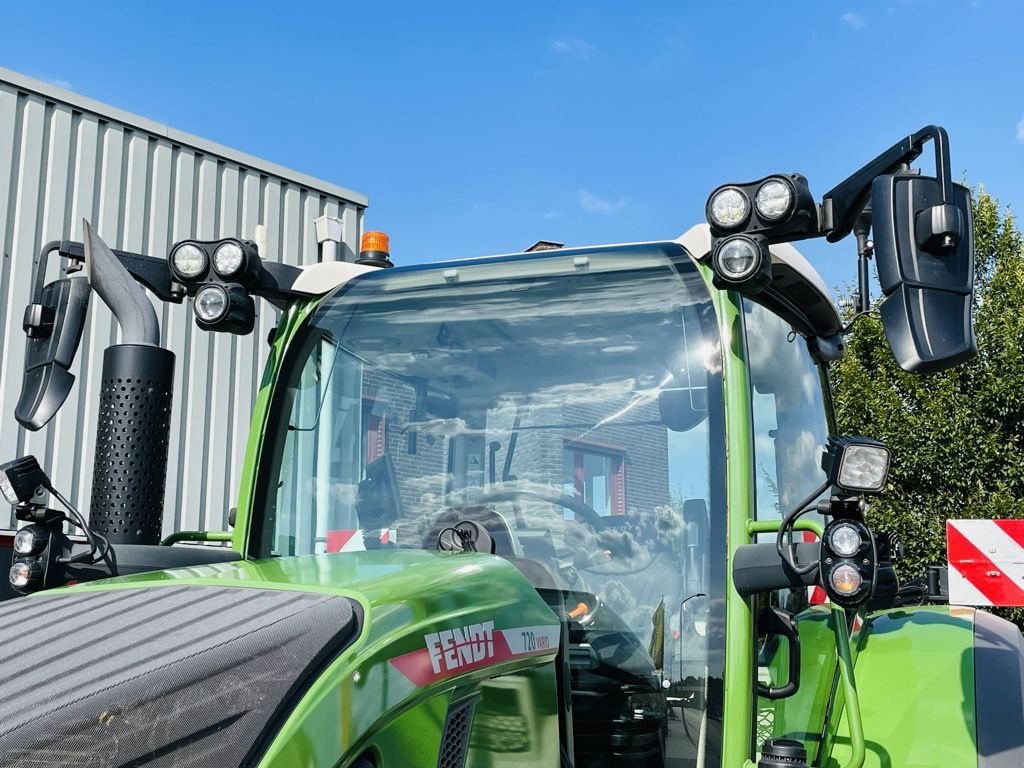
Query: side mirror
54 325
683 408
924 246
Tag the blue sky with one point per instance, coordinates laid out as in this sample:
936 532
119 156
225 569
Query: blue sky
476 128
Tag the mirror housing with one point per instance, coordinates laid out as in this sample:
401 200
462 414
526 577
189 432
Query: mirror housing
924 246
54 326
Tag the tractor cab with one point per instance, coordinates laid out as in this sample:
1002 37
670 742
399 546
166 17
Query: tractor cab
565 411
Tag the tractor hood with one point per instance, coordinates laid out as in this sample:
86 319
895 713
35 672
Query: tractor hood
235 664
123 677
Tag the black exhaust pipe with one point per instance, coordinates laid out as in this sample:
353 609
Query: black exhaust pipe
133 429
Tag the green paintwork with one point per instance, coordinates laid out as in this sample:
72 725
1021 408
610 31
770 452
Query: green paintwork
739 446
915 681
855 728
179 536
404 595
290 322
801 715
841 642
754 527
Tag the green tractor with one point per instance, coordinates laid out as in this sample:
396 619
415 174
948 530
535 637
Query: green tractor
571 508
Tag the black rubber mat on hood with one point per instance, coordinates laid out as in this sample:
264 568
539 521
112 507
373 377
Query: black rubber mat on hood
187 677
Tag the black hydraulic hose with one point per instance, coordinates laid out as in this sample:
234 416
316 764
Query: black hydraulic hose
119 291
783 540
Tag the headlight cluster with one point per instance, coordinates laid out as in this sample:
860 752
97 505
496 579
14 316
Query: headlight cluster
218 274
28 570
848 562
746 218
729 207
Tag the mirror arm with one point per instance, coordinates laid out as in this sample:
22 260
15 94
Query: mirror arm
152 273
842 205
274 284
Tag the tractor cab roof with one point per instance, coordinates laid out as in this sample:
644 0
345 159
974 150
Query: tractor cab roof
797 292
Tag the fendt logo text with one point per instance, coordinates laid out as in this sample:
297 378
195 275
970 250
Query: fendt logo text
453 648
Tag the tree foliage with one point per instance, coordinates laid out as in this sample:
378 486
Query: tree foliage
957 436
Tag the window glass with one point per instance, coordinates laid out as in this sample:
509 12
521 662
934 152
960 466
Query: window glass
790 425
572 406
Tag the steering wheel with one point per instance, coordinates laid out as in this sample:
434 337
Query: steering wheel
580 507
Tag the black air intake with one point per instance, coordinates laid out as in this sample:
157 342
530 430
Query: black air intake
455 741
189 677
130 469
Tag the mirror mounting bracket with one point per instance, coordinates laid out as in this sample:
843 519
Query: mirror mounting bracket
844 203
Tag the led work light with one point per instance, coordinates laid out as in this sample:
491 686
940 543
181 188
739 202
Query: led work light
22 480
857 464
774 199
31 540
224 307
26 575
728 207
228 259
742 262
188 261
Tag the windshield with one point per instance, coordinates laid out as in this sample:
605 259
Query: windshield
570 407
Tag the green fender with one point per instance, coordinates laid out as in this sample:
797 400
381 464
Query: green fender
938 686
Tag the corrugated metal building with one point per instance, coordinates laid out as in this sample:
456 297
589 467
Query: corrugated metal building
144 186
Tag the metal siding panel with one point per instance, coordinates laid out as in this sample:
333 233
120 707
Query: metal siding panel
222 376
101 325
61 162
310 212
273 214
53 215
178 327
8 153
64 449
135 196
158 240
244 384
23 245
198 389
351 231
70 419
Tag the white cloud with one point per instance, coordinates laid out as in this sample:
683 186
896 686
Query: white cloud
594 204
853 20
1020 129
552 215
573 46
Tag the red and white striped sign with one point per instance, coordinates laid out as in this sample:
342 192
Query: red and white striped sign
986 562
353 541
816 595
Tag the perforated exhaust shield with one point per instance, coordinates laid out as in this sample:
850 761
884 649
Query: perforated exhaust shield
189 677
132 435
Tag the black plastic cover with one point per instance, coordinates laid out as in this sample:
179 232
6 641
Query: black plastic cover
927 310
783 753
910 199
132 438
928 330
758 568
998 691
50 349
183 676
